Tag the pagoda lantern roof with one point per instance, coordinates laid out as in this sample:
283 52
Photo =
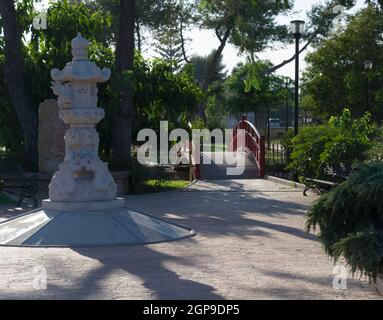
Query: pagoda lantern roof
80 69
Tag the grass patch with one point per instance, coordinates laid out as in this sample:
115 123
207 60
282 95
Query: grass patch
5 200
153 186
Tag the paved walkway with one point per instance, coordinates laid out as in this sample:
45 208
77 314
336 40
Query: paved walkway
251 244
220 165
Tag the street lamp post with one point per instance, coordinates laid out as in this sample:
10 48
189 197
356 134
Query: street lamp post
287 83
297 31
368 65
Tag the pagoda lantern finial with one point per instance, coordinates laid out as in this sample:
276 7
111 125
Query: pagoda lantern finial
80 48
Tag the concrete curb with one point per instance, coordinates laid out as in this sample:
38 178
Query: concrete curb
292 184
192 183
286 182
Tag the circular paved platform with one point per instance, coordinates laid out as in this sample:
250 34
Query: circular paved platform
74 229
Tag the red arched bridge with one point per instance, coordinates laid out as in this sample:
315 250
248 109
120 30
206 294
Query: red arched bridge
245 158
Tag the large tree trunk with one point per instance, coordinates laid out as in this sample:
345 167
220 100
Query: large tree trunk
14 80
124 116
212 66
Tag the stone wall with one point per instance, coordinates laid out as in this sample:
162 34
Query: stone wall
51 137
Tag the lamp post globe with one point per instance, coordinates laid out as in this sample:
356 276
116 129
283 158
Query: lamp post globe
297 27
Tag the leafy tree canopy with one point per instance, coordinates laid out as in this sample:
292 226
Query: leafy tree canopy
251 24
160 94
335 76
270 91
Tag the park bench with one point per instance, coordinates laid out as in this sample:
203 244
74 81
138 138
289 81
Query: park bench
14 181
335 177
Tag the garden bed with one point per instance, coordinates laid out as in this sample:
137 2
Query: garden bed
5 200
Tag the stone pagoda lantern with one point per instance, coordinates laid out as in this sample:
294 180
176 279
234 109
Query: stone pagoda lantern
82 175
83 210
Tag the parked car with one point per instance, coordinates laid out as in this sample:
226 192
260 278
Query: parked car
275 123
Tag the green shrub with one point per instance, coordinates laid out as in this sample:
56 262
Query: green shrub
343 142
198 123
6 200
286 139
376 151
350 219
307 148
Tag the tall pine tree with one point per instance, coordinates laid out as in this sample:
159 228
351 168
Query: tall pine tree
169 46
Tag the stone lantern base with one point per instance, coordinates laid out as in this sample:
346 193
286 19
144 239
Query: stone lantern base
71 226
84 205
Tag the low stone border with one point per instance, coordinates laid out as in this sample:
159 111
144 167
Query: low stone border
285 182
290 183
191 183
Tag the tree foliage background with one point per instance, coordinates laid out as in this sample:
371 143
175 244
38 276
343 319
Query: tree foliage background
160 93
182 88
335 77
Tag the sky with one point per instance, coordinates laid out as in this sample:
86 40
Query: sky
202 42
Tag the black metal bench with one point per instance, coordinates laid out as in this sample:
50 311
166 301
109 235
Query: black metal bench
336 176
14 181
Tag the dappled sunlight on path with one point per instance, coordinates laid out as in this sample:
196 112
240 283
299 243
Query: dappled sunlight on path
251 244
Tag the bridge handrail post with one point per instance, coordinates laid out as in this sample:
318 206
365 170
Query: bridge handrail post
262 157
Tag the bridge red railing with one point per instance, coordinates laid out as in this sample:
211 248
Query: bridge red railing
254 143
